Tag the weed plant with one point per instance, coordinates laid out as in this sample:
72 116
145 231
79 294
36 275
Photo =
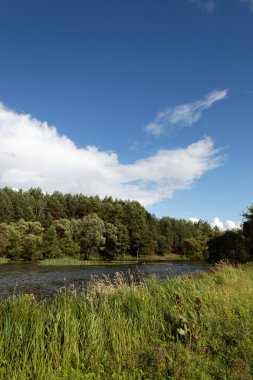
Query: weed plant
186 327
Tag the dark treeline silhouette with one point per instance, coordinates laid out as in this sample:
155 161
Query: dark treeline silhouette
236 245
35 226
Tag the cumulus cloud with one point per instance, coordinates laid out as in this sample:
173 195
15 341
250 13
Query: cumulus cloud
194 220
33 154
183 115
207 5
227 225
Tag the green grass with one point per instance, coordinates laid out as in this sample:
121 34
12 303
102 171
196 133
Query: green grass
62 261
96 261
3 260
73 261
191 327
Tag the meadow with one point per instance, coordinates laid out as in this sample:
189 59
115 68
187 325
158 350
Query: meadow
186 327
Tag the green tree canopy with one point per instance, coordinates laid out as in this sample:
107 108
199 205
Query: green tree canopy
92 235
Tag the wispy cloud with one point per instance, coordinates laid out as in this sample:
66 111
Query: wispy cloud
35 154
209 6
206 5
183 115
250 2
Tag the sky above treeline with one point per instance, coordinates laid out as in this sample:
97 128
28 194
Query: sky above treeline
145 100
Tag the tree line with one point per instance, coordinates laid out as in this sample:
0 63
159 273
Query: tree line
35 226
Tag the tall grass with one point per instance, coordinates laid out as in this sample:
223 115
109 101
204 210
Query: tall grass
74 261
92 261
191 327
62 261
95 260
3 260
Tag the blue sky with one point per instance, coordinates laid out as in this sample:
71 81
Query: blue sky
154 98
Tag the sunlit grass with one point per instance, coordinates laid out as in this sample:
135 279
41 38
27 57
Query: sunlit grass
62 261
3 260
190 327
128 259
74 261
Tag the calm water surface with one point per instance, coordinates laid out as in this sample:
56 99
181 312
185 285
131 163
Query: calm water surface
46 281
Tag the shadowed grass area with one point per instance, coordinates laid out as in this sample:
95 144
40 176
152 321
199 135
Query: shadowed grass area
191 327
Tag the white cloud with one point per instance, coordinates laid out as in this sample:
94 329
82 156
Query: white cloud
218 223
207 5
183 115
194 220
34 154
231 225
227 225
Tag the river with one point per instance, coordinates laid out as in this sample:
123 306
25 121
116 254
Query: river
44 281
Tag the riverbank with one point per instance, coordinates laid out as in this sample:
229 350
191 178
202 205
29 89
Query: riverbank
187 327
3 260
63 261
127 260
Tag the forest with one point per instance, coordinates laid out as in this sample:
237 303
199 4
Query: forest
35 226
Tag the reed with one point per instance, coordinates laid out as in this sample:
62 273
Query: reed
188 327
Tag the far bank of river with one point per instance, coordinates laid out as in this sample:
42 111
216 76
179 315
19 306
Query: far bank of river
43 281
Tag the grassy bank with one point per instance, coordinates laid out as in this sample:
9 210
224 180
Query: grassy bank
96 261
92 261
62 261
197 327
3 260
